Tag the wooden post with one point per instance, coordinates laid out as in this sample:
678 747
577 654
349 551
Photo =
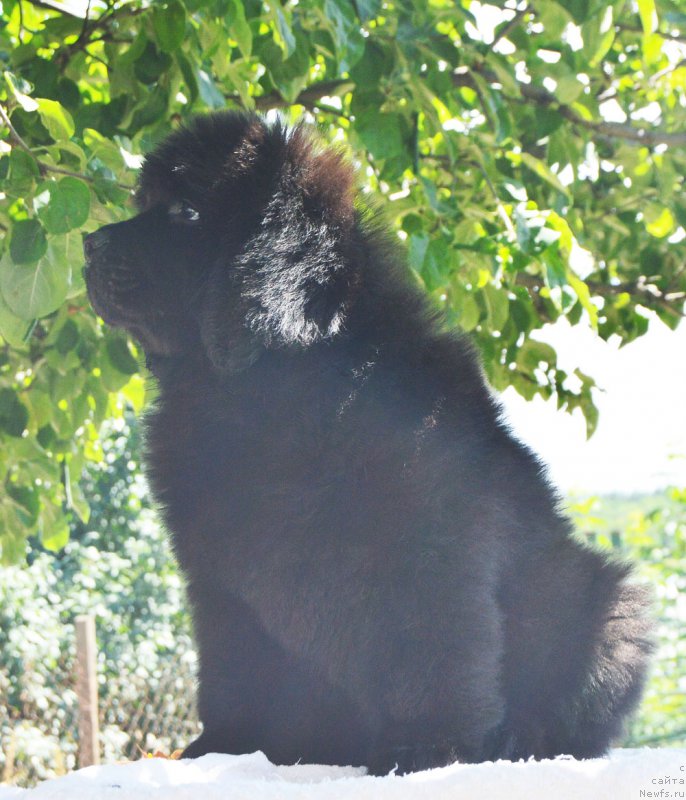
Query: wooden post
87 691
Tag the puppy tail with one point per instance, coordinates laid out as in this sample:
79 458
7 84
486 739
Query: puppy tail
614 683
578 699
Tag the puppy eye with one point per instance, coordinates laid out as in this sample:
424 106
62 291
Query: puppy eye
184 212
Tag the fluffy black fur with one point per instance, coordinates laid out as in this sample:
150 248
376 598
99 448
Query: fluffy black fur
377 569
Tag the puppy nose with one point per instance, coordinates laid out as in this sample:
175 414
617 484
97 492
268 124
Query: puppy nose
95 242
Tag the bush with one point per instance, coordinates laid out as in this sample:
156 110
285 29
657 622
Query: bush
120 569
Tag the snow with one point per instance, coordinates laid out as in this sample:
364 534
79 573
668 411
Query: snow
624 775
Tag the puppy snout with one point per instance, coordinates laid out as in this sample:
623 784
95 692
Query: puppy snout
95 242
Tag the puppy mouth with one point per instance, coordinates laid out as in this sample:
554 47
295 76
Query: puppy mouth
110 289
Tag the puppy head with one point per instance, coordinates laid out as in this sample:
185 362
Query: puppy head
243 241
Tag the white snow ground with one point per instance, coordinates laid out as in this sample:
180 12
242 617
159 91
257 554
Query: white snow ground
624 775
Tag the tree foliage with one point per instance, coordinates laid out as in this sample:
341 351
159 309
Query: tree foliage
531 156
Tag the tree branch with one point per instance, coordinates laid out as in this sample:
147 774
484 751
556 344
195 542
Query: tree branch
84 27
650 137
49 6
14 134
648 296
65 51
618 130
542 97
308 97
674 37
20 34
510 25
42 166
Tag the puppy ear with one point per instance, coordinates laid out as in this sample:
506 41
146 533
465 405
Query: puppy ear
299 270
230 345
293 280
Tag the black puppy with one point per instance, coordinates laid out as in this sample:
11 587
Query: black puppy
377 569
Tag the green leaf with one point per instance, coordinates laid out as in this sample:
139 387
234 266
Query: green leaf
598 34
103 149
376 61
417 251
659 220
54 528
497 306
346 31
121 356
27 241
568 89
577 8
153 110
12 329
239 29
369 9
151 64
289 90
28 500
469 313
63 205
72 150
209 93
533 355
37 289
134 391
283 35
169 24
112 378
66 254
67 338
495 108
521 313
188 76
13 413
648 15
556 269
56 119
584 295
544 172
381 134
554 20
290 76
18 88
588 408
13 542
78 502
436 264
652 48
23 170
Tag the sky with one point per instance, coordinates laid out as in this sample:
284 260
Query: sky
640 442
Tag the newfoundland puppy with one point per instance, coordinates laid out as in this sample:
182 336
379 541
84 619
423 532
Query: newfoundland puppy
378 570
